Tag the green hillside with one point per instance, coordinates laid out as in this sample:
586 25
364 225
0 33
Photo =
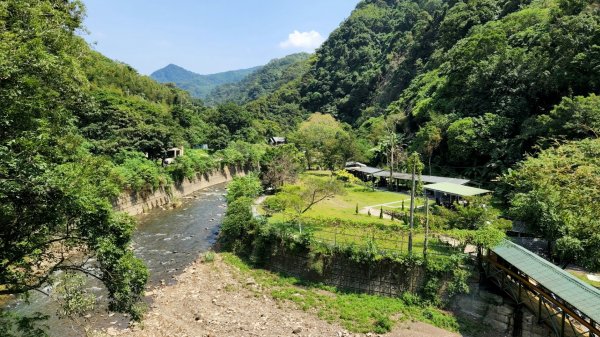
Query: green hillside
199 86
491 78
264 81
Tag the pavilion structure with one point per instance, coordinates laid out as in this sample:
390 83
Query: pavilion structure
446 193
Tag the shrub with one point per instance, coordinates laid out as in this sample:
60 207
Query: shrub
230 156
192 163
248 186
139 174
346 177
209 256
275 204
237 218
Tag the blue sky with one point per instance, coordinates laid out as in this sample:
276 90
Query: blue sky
209 36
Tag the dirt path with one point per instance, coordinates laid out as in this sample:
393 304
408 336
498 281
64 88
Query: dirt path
213 299
376 209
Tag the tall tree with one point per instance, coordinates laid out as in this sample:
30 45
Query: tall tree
427 140
281 165
324 141
556 194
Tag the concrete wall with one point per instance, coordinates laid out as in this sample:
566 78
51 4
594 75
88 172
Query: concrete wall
386 278
134 204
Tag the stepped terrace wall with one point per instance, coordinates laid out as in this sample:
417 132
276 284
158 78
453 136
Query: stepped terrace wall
135 204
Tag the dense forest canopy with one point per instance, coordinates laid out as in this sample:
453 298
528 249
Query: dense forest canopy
79 129
263 81
54 193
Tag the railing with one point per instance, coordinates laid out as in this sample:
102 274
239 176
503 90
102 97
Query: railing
561 317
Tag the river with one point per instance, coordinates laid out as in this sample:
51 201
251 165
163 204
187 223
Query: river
166 240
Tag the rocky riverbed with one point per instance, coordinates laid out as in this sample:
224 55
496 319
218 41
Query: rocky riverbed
215 299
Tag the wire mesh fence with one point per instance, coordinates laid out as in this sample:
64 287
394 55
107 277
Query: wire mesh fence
386 242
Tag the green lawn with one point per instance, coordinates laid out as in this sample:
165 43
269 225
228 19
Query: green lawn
344 206
582 276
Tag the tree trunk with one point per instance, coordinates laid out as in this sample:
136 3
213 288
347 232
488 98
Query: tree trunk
430 163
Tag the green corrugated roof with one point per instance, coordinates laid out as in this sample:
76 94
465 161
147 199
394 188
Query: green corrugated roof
455 189
580 295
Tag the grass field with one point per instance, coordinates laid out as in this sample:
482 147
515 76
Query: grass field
582 276
367 229
344 206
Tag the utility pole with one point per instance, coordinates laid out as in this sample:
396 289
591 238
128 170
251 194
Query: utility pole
392 150
426 224
412 208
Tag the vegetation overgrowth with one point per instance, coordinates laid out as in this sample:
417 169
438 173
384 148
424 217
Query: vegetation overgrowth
359 313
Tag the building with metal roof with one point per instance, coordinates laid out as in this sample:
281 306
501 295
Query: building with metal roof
456 189
365 173
558 298
354 164
447 193
424 178
365 169
277 140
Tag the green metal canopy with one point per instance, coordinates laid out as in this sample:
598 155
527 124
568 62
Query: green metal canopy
456 189
578 294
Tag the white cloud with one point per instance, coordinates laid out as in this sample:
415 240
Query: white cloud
303 40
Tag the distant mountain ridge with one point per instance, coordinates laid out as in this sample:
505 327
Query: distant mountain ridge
264 81
199 86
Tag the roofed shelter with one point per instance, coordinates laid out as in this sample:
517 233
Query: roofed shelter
566 304
399 177
351 164
365 173
277 141
446 193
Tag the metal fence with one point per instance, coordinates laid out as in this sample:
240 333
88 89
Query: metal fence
386 242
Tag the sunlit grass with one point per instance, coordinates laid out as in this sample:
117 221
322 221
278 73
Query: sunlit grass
344 206
583 277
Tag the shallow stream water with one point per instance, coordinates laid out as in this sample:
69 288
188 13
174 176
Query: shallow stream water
166 240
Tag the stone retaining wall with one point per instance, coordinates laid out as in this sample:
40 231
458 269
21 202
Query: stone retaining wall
134 204
385 278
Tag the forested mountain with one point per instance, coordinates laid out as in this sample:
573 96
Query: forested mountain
264 81
199 86
490 79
